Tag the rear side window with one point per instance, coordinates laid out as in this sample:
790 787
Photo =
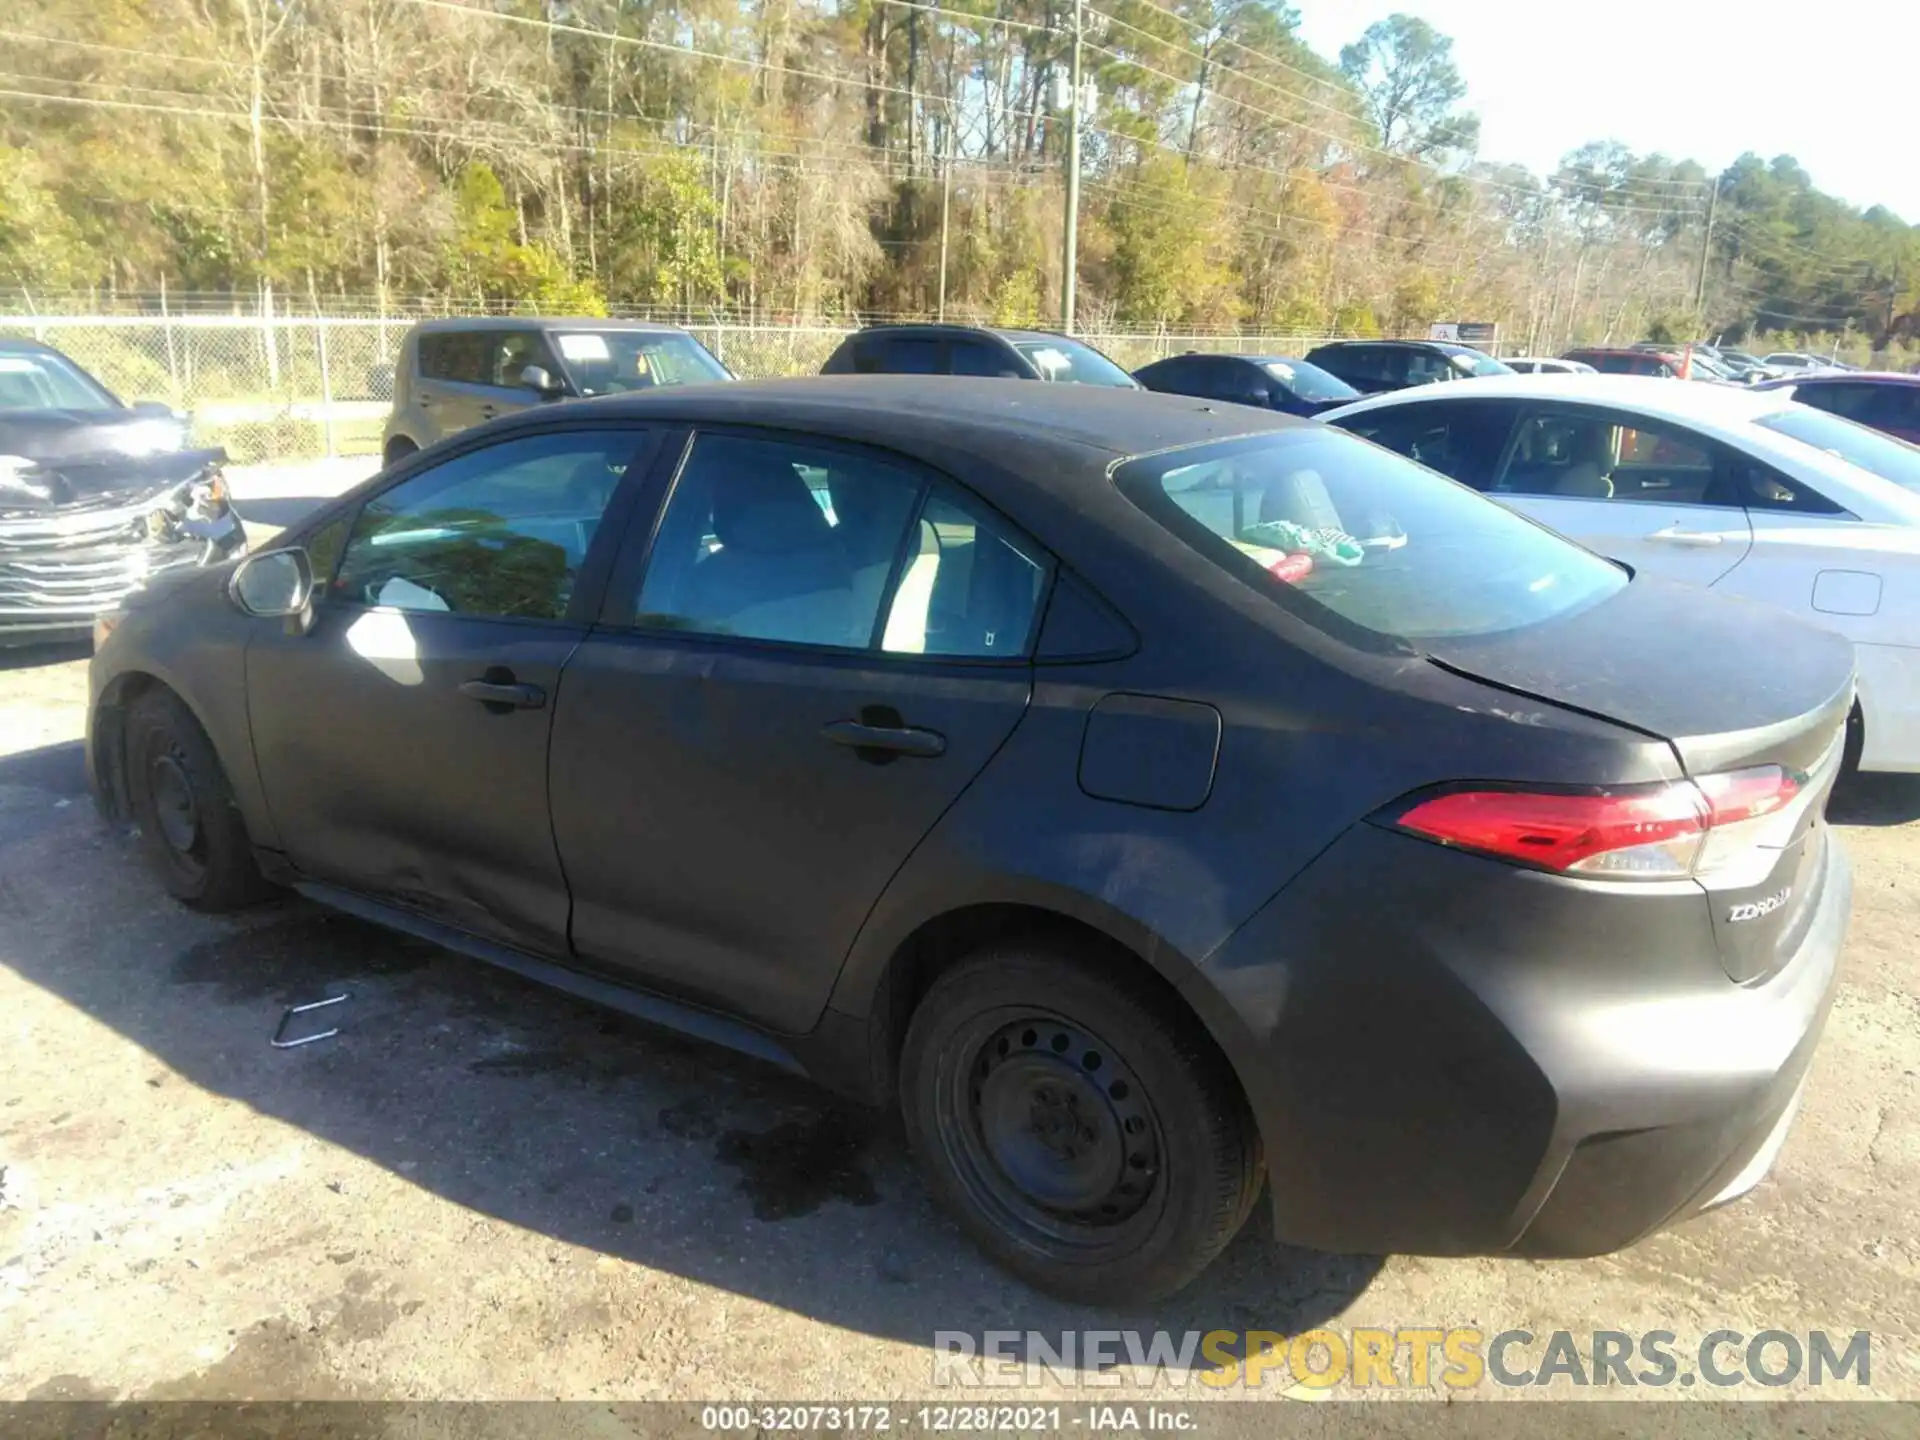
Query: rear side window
1363 543
464 357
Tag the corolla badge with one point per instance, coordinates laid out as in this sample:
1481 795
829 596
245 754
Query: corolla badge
1754 909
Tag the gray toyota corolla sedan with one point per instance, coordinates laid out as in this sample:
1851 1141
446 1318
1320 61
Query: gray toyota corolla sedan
1150 797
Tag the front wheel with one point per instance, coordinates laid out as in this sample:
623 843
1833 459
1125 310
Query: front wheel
1090 1143
190 829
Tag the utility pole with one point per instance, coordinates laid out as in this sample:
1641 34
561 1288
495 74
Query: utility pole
1070 248
1706 247
946 210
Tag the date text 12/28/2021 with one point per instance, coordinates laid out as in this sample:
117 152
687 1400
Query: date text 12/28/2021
946 1419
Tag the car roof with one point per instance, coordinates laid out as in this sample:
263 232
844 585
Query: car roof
1652 395
1634 350
1726 411
1008 422
23 346
1841 377
1448 346
942 327
543 322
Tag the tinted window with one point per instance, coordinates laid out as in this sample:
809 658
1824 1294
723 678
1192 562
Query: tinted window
1352 536
1462 439
1886 457
1176 376
39 381
977 357
614 362
1309 382
1374 365
970 587
498 531
462 356
1068 362
1424 367
1237 382
778 540
899 355
1587 456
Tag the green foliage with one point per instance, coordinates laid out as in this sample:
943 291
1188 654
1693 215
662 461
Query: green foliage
667 250
1404 70
1163 264
486 261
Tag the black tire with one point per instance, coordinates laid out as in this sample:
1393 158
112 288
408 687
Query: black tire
190 830
1089 1141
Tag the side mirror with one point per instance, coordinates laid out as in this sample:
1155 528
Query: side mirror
539 380
276 584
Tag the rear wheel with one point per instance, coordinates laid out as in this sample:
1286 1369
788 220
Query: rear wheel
1090 1143
190 829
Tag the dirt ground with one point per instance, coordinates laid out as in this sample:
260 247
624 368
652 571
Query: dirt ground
480 1189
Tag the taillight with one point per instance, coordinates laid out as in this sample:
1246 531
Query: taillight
1663 832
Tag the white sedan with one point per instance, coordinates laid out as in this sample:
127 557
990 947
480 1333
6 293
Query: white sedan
1709 484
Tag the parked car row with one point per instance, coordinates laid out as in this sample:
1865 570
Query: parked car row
1160 798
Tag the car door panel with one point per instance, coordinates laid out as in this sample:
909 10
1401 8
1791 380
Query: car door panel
402 742
720 842
1645 494
738 770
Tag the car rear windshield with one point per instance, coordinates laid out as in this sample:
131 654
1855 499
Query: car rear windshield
613 362
38 381
1472 362
1071 363
1885 456
1355 538
1309 382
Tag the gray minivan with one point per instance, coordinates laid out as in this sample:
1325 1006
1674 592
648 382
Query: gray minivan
454 374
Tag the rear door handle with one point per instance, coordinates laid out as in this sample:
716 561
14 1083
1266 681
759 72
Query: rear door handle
504 693
898 739
1674 535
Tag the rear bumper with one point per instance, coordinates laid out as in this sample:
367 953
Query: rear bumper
1447 1056
1890 704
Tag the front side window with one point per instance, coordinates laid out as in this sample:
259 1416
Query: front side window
40 381
1068 362
781 540
513 352
1363 542
616 362
1588 456
501 531
976 357
1882 455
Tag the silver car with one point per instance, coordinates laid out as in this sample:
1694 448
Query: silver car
454 374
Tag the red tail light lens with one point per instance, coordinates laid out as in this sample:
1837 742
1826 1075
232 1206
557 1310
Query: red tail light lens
1667 832
1654 834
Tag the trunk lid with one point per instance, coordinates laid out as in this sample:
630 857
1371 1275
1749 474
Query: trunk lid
1736 688
1727 682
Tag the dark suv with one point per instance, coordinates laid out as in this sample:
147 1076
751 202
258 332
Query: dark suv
1371 366
972 350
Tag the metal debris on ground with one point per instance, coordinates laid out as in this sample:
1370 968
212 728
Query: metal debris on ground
280 1042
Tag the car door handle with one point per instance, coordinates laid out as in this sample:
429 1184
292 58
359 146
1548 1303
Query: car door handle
899 739
1674 535
505 693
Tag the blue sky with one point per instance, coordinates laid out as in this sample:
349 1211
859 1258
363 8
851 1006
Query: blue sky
1830 83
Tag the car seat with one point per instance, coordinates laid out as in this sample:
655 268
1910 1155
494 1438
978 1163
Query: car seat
780 572
1586 478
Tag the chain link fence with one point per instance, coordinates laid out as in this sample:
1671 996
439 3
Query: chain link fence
303 387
